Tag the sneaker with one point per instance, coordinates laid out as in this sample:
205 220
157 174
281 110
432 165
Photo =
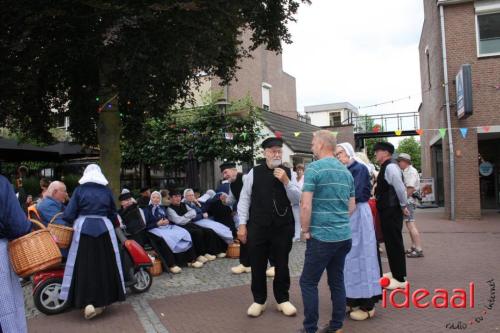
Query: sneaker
270 272
202 259
175 269
326 329
410 250
415 254
210 257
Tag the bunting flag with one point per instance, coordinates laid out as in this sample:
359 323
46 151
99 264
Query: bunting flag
278 134
442 132
420 131
296 134
398 132
486 129
376 129
229 136
335 133
463 131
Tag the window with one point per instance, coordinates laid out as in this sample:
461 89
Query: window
427 56
266 96
488 34
335 119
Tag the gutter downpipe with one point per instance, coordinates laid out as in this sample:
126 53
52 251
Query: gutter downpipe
448 117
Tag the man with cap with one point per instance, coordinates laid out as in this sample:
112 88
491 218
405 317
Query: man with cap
143 200
391 205
235 179
267 226
412 183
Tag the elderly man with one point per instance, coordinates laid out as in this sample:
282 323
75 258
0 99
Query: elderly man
391 205
328 199
266 206
412 183
52 205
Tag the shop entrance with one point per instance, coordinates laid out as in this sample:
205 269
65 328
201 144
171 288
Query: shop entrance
489 173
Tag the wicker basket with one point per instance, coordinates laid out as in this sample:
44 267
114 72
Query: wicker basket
61 233
233 250
34 252
156 269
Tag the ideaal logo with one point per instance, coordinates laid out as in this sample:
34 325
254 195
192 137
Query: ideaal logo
440 299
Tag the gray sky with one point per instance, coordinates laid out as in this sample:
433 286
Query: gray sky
363 52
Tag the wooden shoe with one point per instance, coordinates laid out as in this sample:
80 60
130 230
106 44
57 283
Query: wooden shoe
388 275
240 269
89 312
287 309
270 272
175 269
349 309
362 314
202 259
196 264
221 255
210 257
256 309
395 284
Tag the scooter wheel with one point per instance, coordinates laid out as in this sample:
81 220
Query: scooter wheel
144 281
47 299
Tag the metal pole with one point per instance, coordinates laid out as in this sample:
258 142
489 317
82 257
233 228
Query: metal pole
448 116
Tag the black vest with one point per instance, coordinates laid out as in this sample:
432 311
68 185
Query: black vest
132 219
180 210
236 186
270 204
384 193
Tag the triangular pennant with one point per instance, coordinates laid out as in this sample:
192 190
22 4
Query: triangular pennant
376 129
398 132
278 134
486 129
420 131
229 136
442 132
296 134
335 133
463 131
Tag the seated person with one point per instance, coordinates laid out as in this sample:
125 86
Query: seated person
220 212
52 206
173 243
206 242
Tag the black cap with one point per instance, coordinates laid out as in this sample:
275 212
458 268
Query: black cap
227 165
382 145
125 196
174 191
144 189
272 142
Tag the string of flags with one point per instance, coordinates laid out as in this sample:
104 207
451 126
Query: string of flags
376 129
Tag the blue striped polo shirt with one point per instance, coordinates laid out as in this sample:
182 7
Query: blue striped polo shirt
332 186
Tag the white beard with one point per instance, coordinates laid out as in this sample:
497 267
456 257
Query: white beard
275 163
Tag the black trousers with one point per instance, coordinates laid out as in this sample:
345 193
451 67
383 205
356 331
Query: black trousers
265 242
391 221
244 257
205 240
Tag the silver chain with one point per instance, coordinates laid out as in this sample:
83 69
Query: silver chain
276 209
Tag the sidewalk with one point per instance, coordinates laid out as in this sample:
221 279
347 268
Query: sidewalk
212 300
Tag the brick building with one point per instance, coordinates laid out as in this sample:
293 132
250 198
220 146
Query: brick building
470 35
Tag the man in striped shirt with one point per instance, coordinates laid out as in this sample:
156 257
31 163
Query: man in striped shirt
327 201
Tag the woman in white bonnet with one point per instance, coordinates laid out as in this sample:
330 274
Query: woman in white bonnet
93 276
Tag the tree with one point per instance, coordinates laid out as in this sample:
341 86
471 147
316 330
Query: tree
93 60
367 124
411 147
199 131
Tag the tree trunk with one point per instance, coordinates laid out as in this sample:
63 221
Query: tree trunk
108 135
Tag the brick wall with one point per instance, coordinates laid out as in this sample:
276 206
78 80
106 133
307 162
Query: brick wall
461 49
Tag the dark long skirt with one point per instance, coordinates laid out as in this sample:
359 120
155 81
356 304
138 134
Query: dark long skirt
96 278
205 240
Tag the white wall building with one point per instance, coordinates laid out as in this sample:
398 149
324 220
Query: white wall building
331 115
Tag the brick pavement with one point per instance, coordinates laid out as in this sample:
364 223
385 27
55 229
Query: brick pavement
211 300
